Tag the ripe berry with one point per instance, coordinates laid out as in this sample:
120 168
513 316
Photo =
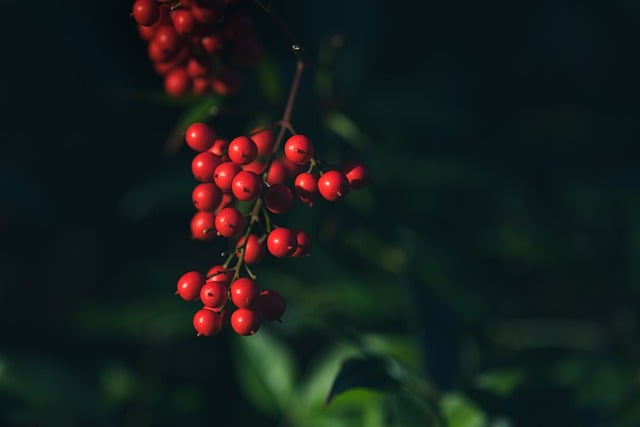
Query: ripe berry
189 285
264 140
304 244
254 249
357 174
203 225
213 294
298 149
245 322
217 273
277 173
242 150
219 147
167 39
207 322
257 166
306 186
278 199
204 165
333 185
206 196
246 186
206 14
177 83
229 222
282 242
244 292
271 305
201 85
223 175
200 136
198 66
212 43
183 22
146 12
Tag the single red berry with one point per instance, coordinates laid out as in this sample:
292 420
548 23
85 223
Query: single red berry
293 169
306 185
244 292
282 242
333 185
223 175
227 200
201 85
199 66
218 273
229 222
278 198
146 33
183 21
264 140
206 196
254 249
212 43
219 147
246 186
257 166
242 150
245 321
207 322
298 149
146 12
277 173
304 244
213 294
177 83
200 136
357 174
204 165
189 285
271 305
167 39
203 225
206 14
157 54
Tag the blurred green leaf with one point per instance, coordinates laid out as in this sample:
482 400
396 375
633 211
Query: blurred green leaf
501 382
459 411
346 128
269 77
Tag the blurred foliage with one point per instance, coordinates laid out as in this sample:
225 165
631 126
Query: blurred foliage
489 276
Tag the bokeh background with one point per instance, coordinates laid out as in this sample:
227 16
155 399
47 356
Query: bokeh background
489 276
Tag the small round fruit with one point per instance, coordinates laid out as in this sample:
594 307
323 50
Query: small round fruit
245 321
298 149
219 147
207 322
264 140
177 83
200 136
146 12
304 244
242 150
246 186
189 285
206 196
277 173
183 22
271 305
306 185
244 292
357 174
278 199
213 294
203 166
282 242
218 273
229 222
223 175
333 185
254 249
203 225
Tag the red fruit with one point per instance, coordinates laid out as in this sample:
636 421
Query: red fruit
223 175
271 305
199 66
242 150
183 21
257 166
217 273
204 165
212 43
219 147
245 322
333 185
189 285
264 140
167 39
282 242
203 225
244 292
278 199
205 14
246 186
207 322
177 83
357 174
146 12
306 185
298 149
254 249
293 169
200 136
277 173
213 294
304 244
157 54
229 222
201 85
146 33
206 196
227 200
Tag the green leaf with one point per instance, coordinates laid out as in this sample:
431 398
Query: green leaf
343 126
201 111
459 411
270 80
500 382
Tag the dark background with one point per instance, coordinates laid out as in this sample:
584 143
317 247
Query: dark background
496 254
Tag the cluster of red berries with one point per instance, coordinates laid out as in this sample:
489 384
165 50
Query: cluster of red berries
196 44
252 169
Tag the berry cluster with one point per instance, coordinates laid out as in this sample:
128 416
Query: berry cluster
242 183
197 44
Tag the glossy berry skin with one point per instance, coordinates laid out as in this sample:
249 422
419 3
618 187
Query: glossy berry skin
212 43
278 199
333 185
306 185
146 12
282 242
219 147
200 136
177 83
218 274
264 140
357 174
167 39
204 165
246 186
189 285
298 149
277 173
223 175
183 22
229 222
213 294
203 225
270 305
245 321
242 150
207 322
254 250
206 196
304 244
257 166
244 292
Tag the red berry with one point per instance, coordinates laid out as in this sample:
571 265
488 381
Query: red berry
203 225
213 294
206 196
278 199
245 322
282 242
223 175
277 173
271 305
304 244
199 67
217 273
167 39
246 186
229 222
333 185
227 200
146 12
219 147
306 185
264 140
242 150
207 322
204 165
183 21
293 169
357 174
200 136
244 292
206 14
257 166
254 249
189 285
298 149
177 83
212 43
201 85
